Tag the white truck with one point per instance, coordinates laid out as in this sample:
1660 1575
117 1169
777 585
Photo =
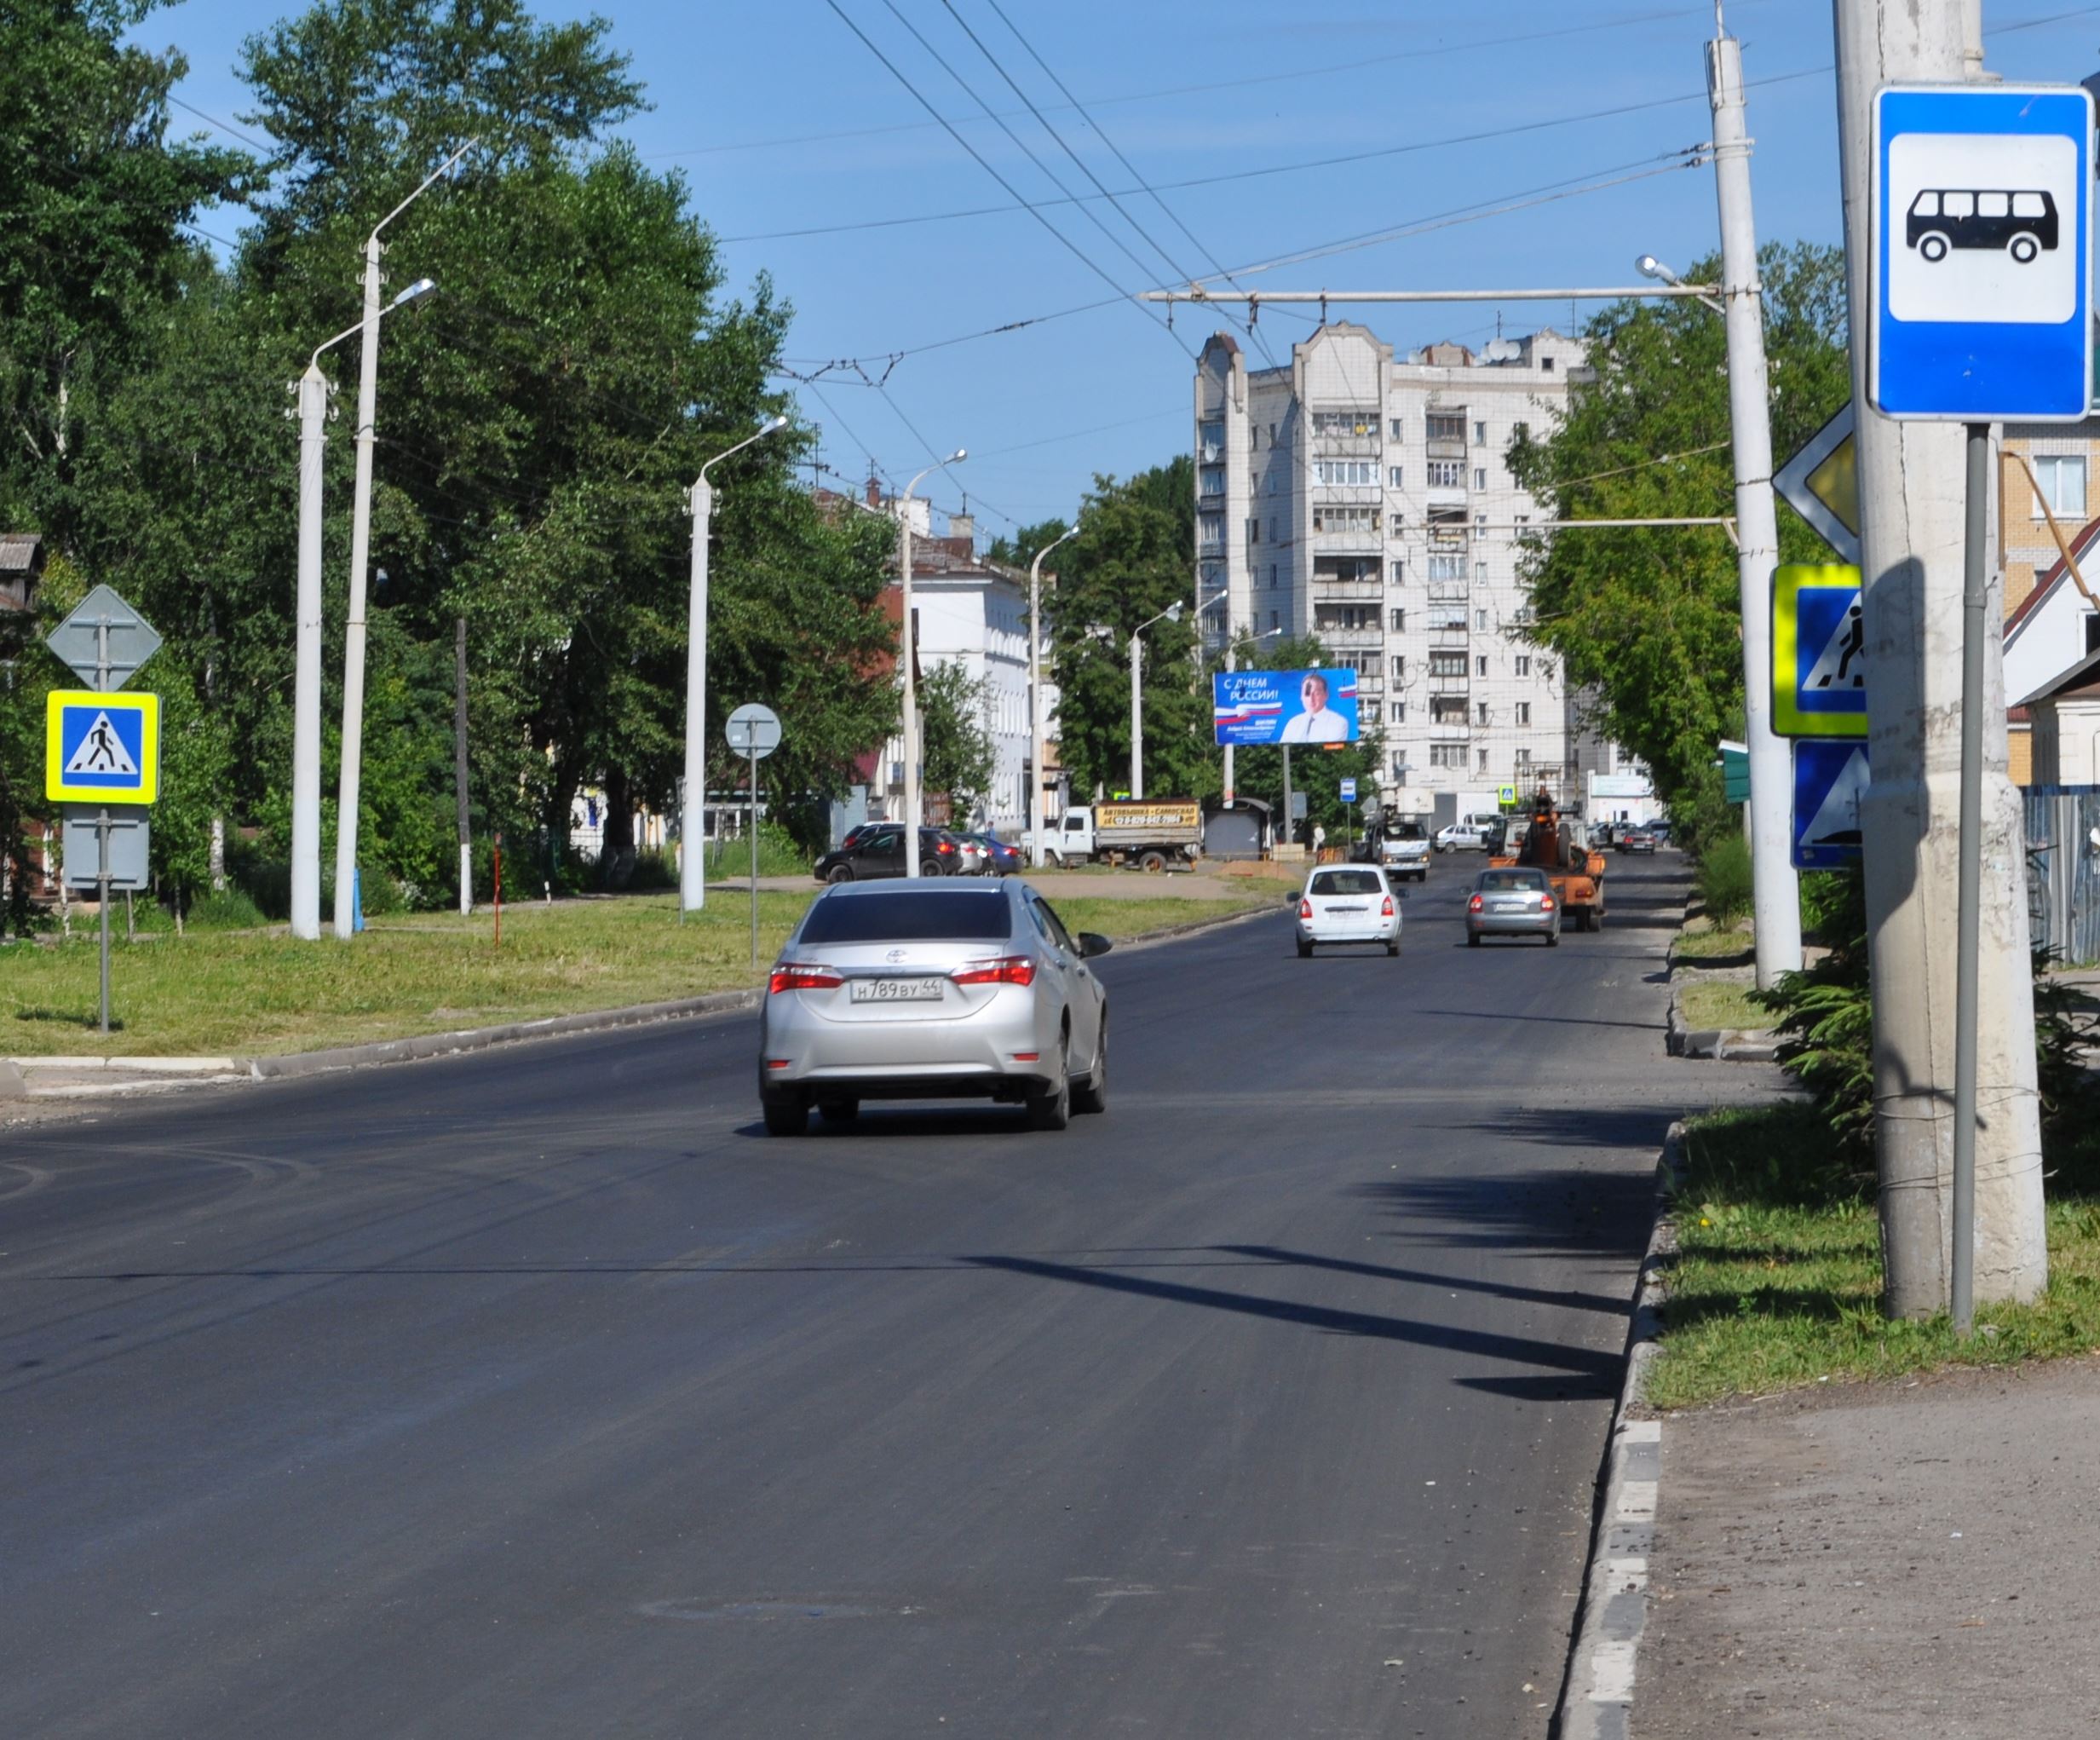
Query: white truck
1148 832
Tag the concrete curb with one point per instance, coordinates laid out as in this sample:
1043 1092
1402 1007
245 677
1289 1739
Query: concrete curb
442 1045
1174 933
1597 1696
140 1066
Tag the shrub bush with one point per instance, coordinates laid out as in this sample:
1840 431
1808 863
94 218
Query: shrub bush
1723 880
230 909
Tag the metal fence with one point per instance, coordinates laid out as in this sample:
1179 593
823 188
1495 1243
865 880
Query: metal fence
2063 870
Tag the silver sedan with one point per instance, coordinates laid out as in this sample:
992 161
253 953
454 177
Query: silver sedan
1512 902
923 990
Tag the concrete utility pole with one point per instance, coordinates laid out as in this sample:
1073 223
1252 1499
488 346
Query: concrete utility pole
347 799
306 687
693 812
1912 528
459 767
1775 886
1036 749
905 641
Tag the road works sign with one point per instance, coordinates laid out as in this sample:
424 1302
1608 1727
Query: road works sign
1982 215
1819 653
1829 778
101 748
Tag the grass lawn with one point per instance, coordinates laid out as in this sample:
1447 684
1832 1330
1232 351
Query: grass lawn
247 993
1718 1003
1777 1278
1699 942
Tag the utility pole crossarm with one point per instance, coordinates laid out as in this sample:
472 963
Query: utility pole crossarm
1196 293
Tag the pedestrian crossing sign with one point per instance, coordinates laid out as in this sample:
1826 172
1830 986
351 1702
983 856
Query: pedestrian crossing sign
1829 778
1819 653
101 748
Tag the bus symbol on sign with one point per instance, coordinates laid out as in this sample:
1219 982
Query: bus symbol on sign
2023 224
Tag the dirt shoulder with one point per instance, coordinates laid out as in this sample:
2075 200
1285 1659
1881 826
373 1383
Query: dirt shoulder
1880 1559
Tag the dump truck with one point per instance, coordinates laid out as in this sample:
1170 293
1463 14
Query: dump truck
1150 832
1542 839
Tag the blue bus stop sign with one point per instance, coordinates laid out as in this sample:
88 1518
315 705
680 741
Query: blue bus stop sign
1982 239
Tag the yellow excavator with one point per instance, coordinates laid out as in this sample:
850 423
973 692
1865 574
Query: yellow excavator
1543 840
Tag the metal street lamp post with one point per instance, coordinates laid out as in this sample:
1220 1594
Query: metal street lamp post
347 797
692 814
1172 613
1036 722
910 654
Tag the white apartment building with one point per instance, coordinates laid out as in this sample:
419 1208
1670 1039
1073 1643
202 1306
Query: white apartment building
1363 498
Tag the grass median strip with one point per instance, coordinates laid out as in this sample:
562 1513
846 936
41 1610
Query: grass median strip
1777 1279
255 993
1721 1004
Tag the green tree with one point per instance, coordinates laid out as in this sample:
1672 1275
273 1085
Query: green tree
956 753
1649 621
1130 561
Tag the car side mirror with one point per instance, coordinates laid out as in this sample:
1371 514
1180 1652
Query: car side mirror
1092 943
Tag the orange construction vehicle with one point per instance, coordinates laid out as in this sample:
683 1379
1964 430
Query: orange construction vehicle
1545 839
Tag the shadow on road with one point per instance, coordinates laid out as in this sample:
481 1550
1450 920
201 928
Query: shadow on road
1560 1211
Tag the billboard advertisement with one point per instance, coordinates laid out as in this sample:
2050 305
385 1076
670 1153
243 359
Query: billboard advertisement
1284 706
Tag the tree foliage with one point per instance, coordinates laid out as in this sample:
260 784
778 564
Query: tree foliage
956 752
1650 621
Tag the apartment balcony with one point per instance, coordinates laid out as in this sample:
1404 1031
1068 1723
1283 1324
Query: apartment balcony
1458 687
1444 447
1370 684
1446 636
1450 731
1332 591
1331 446
1351 639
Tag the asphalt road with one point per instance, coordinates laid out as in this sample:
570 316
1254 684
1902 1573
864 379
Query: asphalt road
539 1392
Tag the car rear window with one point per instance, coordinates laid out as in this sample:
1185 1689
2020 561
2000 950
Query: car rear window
1348 882
1519 881
912 915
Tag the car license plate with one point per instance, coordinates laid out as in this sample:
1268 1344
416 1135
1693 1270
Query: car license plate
925 990
1330 910
1507 906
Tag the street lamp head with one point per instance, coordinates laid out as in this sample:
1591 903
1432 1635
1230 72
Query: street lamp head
415 292
1173 613
779 421
957 457
1648 266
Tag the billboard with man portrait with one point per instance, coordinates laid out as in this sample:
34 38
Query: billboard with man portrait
1284 706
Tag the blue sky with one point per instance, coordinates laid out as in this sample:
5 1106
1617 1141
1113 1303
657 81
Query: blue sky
783 121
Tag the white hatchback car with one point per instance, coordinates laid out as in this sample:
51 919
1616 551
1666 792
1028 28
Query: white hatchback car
1348 903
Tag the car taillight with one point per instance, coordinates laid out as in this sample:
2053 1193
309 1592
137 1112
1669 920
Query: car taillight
1386 911
944 846
1010 969
1474 904
1545 901
1305 909
795 976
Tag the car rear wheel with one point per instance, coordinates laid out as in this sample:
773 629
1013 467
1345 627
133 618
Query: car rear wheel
786 1117
1392 948
1553 939
1152 863
840 873
1472 939
1305 950
839 1111
1050 1108
1092 1094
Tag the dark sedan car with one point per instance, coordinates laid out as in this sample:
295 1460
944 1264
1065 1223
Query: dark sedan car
1002 860
879 851
1636 839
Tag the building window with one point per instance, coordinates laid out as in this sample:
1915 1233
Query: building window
2093 632
1360 472
1446 568
1480 572
1399 620
1523 665
1480 522
1272 574
2062 479
1345 423
1400 573
1480 435
1546 363
1482 766
1396 525
1523 761
1361 521
1479 619
1480 665
1399 667
1480 713
1397 713
1400 429
1446 425
1480 477
1448 755
1447 664
1392 477
1254 531
1523 712
1446 474
1272 619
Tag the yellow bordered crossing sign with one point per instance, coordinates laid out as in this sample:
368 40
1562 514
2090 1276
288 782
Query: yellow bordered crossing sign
101 748
1819 653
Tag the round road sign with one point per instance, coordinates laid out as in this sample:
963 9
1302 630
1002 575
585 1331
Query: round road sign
754 731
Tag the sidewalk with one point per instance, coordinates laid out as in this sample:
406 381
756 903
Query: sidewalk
1873 1561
